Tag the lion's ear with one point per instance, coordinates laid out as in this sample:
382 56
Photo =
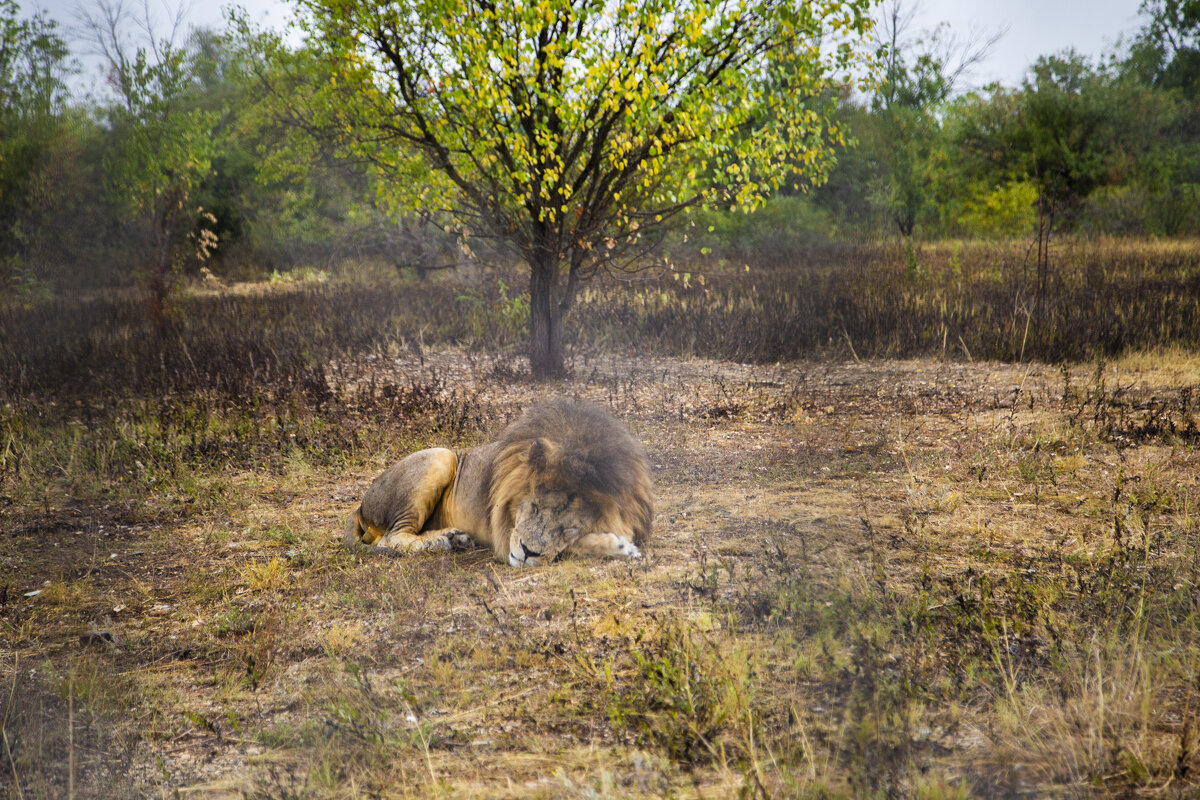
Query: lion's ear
542 453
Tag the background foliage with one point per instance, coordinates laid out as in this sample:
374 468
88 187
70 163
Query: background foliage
103 191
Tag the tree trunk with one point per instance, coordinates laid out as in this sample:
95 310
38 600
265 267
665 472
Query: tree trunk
159 281
545 319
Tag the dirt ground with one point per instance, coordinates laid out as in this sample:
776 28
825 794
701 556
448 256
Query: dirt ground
243 653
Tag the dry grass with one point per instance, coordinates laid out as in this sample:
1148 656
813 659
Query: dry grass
967 300
889 579
909 578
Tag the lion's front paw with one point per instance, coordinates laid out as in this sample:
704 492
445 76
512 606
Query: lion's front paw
627 549
605 545
447 541
460 541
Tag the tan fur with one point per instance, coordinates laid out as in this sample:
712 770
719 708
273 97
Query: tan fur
584 481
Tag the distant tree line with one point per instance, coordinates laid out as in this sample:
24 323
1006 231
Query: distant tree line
168 172
1107 146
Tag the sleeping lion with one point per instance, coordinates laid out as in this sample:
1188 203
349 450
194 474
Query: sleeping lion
565 477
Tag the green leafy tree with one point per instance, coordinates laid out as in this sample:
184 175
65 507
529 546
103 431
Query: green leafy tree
162 144
1071 129
231 191
904 133
1001 211
1080 129
34 63
313 199
574 129
1166 53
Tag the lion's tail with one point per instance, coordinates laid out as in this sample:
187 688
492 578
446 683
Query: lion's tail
354 530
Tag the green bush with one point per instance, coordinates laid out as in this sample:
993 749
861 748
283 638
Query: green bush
1006 210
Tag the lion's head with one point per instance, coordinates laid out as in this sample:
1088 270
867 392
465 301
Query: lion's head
545 524
566 470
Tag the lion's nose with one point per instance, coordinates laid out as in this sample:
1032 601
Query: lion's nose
527 558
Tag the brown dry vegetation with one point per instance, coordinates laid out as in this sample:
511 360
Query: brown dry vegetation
929 577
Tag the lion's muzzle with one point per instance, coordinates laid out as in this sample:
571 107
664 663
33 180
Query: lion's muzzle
525 558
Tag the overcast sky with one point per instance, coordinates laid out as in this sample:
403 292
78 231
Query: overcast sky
1033 27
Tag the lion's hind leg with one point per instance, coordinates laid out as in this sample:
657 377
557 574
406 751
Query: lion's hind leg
358 532
400 502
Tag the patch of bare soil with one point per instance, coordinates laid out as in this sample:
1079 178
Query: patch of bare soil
245 654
